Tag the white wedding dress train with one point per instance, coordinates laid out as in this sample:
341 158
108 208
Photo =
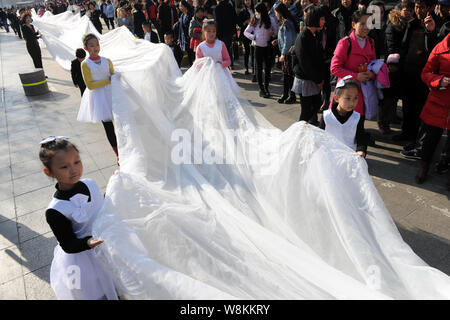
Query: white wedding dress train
213 202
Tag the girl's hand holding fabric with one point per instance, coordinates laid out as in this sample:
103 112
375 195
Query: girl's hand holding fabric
93 243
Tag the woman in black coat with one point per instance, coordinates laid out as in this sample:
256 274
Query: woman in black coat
244 17
31 37
94 16
138 20
309 64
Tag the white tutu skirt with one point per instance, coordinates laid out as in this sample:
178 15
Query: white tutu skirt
96 105
80 276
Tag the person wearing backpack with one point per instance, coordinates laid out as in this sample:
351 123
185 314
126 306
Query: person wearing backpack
353 54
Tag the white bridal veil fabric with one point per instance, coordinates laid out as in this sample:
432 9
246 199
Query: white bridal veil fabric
213 202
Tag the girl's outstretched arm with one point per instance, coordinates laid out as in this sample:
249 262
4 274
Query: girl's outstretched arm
62 229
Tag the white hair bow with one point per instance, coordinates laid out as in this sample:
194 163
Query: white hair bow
341 82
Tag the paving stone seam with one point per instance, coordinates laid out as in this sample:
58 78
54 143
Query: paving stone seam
25 274
37 236
14 197
3 100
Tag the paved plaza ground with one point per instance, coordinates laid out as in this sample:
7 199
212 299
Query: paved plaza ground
422 213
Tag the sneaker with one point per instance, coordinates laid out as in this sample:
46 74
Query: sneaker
441 167
291 100
282 99
411 154
246 72
410 146
254 78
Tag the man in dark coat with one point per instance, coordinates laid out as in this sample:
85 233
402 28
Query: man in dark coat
344 16
165 18
226 19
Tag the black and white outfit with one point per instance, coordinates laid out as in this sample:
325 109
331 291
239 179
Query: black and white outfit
31 37
309 72
75 273
349 129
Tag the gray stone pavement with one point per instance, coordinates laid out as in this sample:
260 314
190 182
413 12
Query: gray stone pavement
26 242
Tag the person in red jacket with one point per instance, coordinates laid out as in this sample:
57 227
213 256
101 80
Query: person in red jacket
436 111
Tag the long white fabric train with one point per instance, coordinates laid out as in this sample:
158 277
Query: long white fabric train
212 202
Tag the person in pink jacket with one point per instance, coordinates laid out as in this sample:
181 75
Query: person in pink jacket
353 54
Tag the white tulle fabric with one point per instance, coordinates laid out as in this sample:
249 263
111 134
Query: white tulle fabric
296 217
